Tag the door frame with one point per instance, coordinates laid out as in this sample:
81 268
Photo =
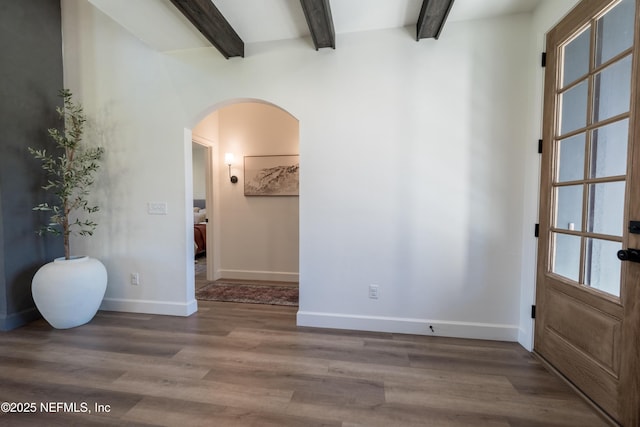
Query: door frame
212 204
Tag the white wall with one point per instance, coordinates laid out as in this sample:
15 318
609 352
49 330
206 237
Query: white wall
136 115
259 235
412 159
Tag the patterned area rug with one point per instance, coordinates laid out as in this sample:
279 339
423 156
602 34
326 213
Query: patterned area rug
250 292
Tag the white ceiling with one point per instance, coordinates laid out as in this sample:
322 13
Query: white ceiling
162 26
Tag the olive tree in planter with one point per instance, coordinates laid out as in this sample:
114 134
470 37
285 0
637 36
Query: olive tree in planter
68 291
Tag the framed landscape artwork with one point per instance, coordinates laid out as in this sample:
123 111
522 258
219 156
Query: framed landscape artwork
271 175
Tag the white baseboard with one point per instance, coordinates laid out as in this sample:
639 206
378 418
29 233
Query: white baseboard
484 331
278 276
150 307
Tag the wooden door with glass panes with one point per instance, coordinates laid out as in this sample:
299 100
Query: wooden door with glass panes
587 299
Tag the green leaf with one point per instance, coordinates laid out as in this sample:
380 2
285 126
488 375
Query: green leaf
70 169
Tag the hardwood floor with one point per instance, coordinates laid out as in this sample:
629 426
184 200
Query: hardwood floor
249 365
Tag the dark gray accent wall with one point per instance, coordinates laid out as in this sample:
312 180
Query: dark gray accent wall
30 78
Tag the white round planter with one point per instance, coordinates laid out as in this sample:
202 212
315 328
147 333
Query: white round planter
69 292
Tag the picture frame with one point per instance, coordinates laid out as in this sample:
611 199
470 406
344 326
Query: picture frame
272 175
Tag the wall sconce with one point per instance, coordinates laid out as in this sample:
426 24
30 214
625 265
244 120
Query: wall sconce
228 160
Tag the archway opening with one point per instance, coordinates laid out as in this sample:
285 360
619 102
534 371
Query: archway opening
248 236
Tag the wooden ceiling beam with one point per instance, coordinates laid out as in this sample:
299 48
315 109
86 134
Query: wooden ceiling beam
212 24
320 22
433 15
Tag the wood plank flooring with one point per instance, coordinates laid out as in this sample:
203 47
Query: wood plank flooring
249 365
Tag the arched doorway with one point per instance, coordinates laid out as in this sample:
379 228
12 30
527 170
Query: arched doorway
249 237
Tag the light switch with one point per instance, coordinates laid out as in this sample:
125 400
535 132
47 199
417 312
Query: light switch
157 208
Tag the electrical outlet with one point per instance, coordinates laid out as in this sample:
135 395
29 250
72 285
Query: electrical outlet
373 291
135 279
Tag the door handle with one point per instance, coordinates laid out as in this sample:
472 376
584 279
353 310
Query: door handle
632 255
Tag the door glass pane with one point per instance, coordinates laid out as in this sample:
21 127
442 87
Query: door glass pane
574 108
569 210
614 31
602 267
606 208
612 90
609 150
576 57
571 158
566 257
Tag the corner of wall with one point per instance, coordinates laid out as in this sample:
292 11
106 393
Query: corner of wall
15 320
